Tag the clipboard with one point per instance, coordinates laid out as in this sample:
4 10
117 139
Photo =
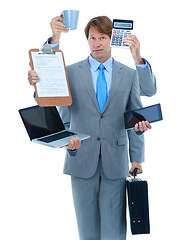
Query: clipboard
54 100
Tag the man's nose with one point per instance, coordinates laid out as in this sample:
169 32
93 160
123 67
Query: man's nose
97 43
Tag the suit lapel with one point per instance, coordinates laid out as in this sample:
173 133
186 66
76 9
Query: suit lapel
84 69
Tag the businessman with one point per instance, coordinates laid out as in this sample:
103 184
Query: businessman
102 90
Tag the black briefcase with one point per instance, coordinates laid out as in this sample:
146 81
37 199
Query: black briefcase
137 191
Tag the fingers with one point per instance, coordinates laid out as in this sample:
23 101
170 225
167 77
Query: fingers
74 143
57 25
142 126
137 165
33 77
132 41
136 127
139 171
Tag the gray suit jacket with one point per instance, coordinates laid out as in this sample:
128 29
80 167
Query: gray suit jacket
107 129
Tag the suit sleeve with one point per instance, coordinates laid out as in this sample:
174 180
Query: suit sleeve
147 81
136 142
53 46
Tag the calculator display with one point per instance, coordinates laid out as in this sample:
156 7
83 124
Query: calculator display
123 25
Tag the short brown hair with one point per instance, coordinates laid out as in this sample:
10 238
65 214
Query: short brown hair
102 23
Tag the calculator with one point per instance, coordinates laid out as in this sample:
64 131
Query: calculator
120 30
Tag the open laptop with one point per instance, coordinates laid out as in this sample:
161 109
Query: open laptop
44 126
151 114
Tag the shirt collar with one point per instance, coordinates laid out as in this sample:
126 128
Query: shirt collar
95 64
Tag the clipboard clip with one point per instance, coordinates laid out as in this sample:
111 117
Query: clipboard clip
47 49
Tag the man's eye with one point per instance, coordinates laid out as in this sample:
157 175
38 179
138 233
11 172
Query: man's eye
92 38
102 38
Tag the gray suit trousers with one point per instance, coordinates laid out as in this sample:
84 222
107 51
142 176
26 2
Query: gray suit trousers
100 206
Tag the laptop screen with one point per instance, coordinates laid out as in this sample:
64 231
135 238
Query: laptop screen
41 121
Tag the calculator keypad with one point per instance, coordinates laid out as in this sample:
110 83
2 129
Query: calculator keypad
117 37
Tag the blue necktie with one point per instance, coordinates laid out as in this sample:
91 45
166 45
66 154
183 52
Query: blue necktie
101 88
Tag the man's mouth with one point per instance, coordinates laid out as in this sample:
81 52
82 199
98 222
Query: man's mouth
98 50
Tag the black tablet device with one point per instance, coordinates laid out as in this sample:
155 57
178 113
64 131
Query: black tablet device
151 114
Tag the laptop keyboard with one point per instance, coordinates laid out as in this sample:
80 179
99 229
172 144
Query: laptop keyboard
56 137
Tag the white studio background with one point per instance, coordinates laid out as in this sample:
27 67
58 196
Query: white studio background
35 197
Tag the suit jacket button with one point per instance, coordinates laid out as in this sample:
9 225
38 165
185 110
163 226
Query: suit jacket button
98 139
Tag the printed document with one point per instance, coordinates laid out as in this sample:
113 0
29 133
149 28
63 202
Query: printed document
51 71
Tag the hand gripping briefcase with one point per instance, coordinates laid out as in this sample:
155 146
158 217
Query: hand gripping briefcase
137 191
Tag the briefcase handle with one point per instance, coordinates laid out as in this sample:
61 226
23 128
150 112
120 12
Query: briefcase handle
136 178
135 172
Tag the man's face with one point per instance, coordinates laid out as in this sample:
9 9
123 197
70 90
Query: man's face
99 44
